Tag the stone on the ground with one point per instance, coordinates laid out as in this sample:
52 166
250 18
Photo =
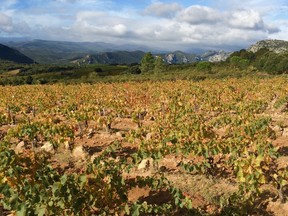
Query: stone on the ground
20 147
119 134
79 153
149 136
48 147
285 132
145 164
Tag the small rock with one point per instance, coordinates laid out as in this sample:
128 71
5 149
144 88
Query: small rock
90 134
282 162
149 136
278 130
285 132
79 153
48 147
20 147
145 164
68 145
119 134
93 157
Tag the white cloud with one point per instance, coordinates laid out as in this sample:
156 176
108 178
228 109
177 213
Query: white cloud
248 19
120 29
199 15
196 26
160 9
6 23
166 25
8 26
99 26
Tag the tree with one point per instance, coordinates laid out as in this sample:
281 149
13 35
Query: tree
98 70
29 80
159 65
134 69
276 63
147 63
204 66
238 62
244 54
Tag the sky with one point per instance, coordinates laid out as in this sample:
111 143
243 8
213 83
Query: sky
165 24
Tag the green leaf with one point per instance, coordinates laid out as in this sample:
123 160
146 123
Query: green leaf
50 203
177 201
258 160
262 179
55 187
41 211
127 209
240 175
135 210
82 179
21 210
61 204
63 179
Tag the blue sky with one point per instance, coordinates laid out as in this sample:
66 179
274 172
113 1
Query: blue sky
165 24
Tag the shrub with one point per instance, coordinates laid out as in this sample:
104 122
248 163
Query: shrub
204 66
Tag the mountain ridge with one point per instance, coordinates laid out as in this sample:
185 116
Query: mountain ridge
277 46
54 52
13 55
115 57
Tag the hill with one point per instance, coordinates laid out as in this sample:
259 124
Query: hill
277 46
116 57
9 54
179 57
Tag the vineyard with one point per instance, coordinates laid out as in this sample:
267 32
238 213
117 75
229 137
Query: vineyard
214 147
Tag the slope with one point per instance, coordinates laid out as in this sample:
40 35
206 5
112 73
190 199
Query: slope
9 54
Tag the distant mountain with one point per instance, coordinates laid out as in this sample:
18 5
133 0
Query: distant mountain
179 57
277 46
9 54
50 52
129 57
57 52
116 57
215 56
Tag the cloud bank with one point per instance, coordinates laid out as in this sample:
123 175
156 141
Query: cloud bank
169 25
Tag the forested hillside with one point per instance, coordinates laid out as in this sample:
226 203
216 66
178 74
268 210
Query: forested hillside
9 54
